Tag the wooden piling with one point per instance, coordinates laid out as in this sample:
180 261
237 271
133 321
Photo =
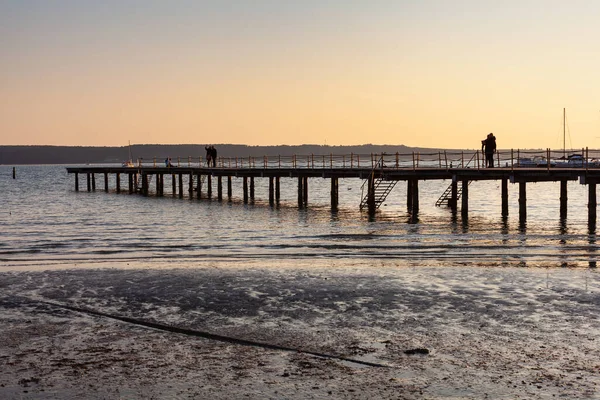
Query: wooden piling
76 182
180 185
454 192
174 185
199 186
334 193
464 208
305 187
415 196
271 191
522 201
106 181
245 185
409 195
89 182
191 185
118 182
229 191
504 197
371 195
219 188
592 204
300 192
130 183
277 189
252 188
563 199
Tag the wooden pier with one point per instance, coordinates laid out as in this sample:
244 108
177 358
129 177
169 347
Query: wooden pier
379 173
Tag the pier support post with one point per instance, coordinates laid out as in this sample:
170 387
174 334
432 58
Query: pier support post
252 188
454 199
106 181
300 192
199 187
174 185
191 185
130 183
464 208
522 201
144 184
504 197
415 196
592 204
93 182
563 199
334 193
371 195
209 186
219 188
160 184
409 195
229 192
277 189
245 190
76 182
180 185
305 187
89 182
118 183
271 191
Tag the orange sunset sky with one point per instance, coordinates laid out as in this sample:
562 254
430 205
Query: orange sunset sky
427 73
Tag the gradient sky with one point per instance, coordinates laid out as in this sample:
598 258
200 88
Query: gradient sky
430 73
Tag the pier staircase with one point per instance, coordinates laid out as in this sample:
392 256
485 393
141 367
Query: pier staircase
382 189
447 195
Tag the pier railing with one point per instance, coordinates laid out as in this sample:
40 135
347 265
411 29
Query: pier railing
513 158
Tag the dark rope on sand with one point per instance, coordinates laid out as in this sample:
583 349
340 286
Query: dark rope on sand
206 335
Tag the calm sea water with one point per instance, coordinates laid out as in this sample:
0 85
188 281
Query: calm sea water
46 224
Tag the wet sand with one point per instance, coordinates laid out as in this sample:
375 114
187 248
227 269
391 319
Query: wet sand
301 333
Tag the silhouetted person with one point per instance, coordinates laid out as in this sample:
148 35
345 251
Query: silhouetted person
208 154
213 155
168 162
488 147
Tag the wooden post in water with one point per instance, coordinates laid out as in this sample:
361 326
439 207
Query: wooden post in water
106 181
144 184
415 196
89 182
334 193
409 197
209 186
219 188
300 192
305 187
180 184
199 187
277 189
522 201
191 185
229 191
118 183
252 188
454 199
93 182
14 173
592 204
160 184
174 185
245 190
130 183
563 199
76 182
504 197
271 191
371 195
464 208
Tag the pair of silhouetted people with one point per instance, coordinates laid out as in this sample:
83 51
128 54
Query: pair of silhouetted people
488 147
211 155
168 162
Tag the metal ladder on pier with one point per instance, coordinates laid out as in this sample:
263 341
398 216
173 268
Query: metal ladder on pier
447 195
382 188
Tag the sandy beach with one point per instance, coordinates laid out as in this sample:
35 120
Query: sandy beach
355 332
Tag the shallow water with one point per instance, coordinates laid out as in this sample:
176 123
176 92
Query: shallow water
46 224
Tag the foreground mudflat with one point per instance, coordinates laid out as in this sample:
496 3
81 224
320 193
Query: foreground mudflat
488 332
